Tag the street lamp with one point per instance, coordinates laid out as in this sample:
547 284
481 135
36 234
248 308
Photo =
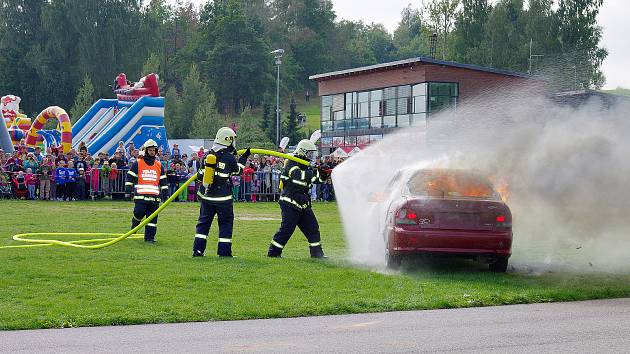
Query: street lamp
278 55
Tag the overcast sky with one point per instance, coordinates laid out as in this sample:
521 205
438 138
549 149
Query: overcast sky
614 17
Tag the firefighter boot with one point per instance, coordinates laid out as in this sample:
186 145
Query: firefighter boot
224 248
199 246
274 251
317 252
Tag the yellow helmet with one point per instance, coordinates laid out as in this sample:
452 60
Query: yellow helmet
306 148
226 137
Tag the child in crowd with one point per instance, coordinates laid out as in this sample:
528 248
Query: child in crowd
104 177
236 185
31 181
60 180
71 181
113 179
81 185
191 187
94 176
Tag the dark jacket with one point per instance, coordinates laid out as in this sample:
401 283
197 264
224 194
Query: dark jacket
220 191
297 180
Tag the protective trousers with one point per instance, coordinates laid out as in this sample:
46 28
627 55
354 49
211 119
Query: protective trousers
141 209
307 222
225 216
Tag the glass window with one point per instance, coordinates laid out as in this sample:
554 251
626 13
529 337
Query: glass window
337 141
389 93
351 140
363 140
376 95
419 120
364 97
404 91
403 106
376 108
438 103
420 89
389 121
390 107
404 120
443 89
361 123
327 101
419 104
363 110
338 115
341 124
326 142
337 103
327 126
376 122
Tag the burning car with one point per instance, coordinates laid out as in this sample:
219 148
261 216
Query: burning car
447 212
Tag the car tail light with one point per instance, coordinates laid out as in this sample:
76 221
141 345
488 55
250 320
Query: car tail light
406 217
503 221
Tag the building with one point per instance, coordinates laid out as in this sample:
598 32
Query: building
360 105
597 99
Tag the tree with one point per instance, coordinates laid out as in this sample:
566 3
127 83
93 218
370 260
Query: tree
579 37
508 48
470 32
194 93
441 18
266 123
291 123
171 113
207 120
249 133
83 100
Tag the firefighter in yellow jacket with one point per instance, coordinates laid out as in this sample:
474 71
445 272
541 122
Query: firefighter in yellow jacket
147 179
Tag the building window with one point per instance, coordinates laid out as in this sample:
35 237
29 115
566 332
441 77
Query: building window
376 103
326 108
376 122
361 123
342 124
327 126
351 105
326 142
403 120
419 120
389 122
338 107
442 95
363 109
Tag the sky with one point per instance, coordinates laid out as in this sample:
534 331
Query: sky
613 17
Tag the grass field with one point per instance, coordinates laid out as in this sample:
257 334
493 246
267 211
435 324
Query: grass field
132 283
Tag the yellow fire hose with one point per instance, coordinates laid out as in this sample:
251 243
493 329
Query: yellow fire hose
115 238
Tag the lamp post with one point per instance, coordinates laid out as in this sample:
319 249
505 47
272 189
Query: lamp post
278 55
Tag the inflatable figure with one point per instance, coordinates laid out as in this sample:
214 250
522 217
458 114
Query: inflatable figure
146 86
10 107
64 123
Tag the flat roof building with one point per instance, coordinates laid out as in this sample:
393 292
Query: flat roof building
359 105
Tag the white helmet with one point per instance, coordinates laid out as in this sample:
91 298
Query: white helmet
226 137
306 148
149 143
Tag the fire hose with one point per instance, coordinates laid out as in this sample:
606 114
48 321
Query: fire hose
108 239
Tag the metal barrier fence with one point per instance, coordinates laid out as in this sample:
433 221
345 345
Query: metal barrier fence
261 186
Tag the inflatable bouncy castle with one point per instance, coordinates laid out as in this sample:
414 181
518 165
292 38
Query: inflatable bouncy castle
19 126
136 115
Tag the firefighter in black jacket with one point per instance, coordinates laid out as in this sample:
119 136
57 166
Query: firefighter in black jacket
215 193
295 202
147 179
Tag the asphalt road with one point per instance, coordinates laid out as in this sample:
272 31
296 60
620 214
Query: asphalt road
577 327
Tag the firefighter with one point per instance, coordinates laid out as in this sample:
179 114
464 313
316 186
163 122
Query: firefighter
295 202
215 192
147 179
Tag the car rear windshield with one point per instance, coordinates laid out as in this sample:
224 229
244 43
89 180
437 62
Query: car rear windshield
451 184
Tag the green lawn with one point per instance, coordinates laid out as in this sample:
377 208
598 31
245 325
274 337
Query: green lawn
131 283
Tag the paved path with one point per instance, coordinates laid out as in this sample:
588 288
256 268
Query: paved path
578 327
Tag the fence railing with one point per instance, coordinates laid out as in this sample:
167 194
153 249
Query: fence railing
256 187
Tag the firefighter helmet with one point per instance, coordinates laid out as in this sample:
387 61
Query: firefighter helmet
149 143
226 137
306 148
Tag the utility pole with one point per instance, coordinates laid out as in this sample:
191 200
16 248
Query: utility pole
532 56
278 55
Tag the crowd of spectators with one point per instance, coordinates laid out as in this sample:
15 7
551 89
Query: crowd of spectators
53 175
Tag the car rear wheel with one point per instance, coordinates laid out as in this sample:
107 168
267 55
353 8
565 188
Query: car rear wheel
500 266
392 261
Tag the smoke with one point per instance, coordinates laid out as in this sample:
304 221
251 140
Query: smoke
566 172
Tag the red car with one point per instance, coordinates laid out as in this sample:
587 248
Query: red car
448 212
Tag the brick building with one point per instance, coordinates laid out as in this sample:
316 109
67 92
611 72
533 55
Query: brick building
360 105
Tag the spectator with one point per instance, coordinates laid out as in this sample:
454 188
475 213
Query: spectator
176 152
71 181
112 180
248 176
171 179
182 173
81 182
201 153
104 178
45 172
31 182
236 185
60 180
191 187
195 163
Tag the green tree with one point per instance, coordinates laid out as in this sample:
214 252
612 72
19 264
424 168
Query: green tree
172 118
207 120
441 16
579 37
291 128
470 32
267 123
83 100
249 133
508 47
